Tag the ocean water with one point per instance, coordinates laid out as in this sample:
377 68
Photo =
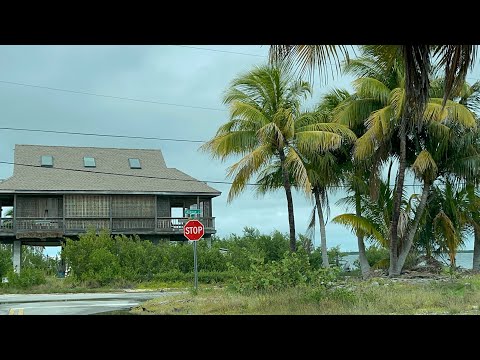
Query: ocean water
464 260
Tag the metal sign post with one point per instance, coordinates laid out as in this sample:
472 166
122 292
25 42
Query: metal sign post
195 268
194 230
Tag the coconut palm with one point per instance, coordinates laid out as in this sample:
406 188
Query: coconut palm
267 128
380 142
325 169
450 223
416 62
470 97
473 216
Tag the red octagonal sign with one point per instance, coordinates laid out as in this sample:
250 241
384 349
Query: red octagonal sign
193 230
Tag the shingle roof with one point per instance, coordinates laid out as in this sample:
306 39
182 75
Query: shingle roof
154 176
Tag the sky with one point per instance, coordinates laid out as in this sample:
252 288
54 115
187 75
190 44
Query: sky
185 84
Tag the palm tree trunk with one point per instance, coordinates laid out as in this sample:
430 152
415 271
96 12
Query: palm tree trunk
394 270
288 192
413 229
323 235
362 256
417 67
476 248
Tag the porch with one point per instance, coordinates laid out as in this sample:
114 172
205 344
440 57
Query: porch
59 227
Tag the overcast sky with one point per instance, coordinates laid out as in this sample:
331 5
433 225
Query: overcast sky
180 75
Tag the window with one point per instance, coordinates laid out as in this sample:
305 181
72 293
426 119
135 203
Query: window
89 162
47 161
134 163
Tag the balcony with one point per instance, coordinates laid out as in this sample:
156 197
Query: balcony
58 227
38 228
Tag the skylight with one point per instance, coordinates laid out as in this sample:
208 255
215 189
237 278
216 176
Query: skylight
89 162
134 163
47 161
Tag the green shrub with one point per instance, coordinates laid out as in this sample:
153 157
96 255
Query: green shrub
204 277
5 260
292 270
28 277
322 293
102 259
334 257
378 257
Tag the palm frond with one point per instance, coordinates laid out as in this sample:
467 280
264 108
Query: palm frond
364 146
370 88
424 166
243 170
354 112
297 168
360 223
309 142
380 122
271 134
339 129
234 143
270 178
311 224
308 57
397 99
249 113
456 59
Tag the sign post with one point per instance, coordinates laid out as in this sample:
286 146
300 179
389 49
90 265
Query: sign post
195 266
193 230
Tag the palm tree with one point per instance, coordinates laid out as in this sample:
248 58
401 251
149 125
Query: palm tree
379 141
450 223
416 61
268 129
325 168
473 216
470 97
374 220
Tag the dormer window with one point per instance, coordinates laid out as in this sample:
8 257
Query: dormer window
134 163
89 162
47 161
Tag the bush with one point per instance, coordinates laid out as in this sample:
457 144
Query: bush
5 260
205 277
102 259
28 277
323 293
334 257
293 270
379 258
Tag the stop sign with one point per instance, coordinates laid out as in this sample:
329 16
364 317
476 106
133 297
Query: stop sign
193 230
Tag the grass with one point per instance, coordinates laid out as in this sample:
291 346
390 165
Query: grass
55 285
377 296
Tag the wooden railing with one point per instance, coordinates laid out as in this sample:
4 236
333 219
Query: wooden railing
168 223
6 225
39 224
176 224
208 222
117 225
141 224
82 224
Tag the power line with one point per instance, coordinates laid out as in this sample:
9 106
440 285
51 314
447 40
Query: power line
233 52
153 177
117 174
218 50
100 135
110 96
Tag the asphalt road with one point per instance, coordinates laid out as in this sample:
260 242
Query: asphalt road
73 304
